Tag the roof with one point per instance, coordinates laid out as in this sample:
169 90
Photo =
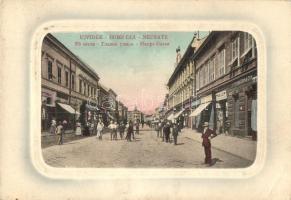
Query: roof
112 91
187 54
203 44
103 87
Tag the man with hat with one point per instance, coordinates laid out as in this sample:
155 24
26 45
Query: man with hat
206 136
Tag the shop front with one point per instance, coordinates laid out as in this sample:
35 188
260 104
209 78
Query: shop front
66 112
48 108
242 107
186 114
89 113
204 113
221 111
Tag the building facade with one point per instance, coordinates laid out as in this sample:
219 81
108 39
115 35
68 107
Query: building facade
181 86
135 116
66 83
226 83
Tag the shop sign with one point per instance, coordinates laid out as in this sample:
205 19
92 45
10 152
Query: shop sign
206 99
221 95
45 94
246 79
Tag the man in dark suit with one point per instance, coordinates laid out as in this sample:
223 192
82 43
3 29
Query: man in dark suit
206 136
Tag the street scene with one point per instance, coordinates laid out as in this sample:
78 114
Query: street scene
149 99
145 151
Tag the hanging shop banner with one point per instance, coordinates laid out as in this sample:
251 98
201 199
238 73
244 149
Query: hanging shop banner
221 95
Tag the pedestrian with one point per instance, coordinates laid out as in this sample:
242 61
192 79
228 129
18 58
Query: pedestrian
100 127
161 125
91 128
115 131
111 127
121 130
206 136
157 129
78 128
87 129
126 127
129 131
175 133
59 133
53 126
163 131
137 128
167 132
64 123
95 127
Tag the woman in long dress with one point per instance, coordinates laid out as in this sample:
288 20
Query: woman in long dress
78 129
100 127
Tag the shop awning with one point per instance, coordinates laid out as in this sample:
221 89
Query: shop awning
199 109
170 117
68 108
178 114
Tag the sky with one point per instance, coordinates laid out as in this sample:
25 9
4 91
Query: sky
138 73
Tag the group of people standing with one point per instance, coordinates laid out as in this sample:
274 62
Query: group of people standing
59 130
115 128
164 130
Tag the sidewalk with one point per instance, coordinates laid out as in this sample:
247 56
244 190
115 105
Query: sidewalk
244 148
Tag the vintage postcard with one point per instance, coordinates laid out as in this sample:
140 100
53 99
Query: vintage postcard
145 100
149 99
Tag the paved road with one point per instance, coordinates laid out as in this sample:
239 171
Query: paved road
146 151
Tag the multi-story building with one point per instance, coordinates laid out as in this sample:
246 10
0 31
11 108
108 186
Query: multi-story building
226 83
181 85
66 83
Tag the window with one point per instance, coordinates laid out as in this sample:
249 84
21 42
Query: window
211 70
248 42
67 78
92 94
50 70
206 74
59 75
234 49
80 86
221 63
201 77
88 92
197 80
85 86
73 82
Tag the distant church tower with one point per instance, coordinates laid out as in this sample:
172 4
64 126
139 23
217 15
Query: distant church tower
178 56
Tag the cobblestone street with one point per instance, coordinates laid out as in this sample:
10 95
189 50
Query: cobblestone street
146 151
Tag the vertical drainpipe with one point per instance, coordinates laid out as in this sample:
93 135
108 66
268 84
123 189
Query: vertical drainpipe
214 109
